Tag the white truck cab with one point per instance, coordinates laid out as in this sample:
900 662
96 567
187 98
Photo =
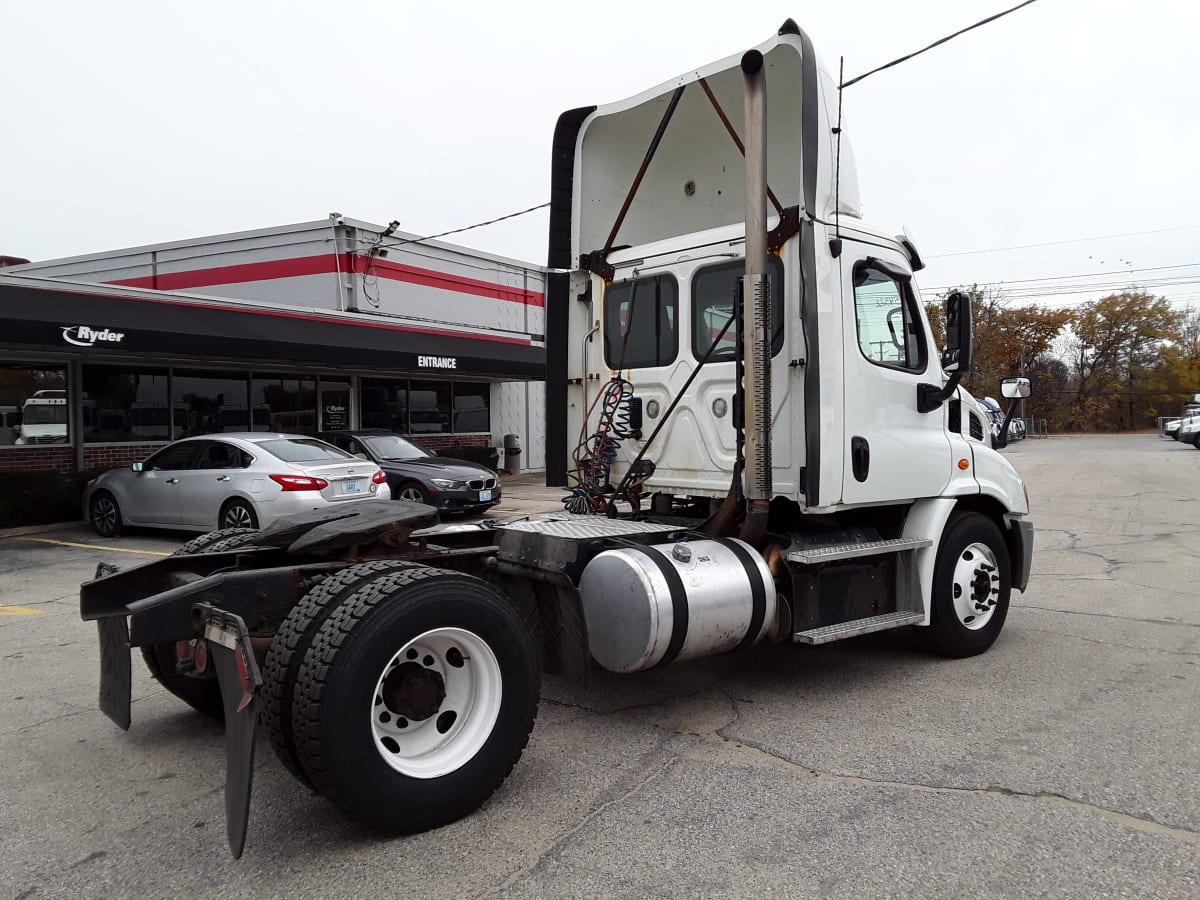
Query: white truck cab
831 407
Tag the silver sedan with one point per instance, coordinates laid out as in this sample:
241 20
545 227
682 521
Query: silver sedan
230 481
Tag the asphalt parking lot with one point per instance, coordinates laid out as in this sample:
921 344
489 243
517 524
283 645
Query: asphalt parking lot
1065 762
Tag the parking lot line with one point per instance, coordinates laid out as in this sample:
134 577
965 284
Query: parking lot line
94 546
18 611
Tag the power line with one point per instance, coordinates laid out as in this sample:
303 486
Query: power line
1102 237
1003 282
430 237
949 37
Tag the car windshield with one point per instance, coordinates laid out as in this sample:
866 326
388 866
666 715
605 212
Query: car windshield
301 450
392 446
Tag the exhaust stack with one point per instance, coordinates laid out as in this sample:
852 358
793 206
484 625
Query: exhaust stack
757 328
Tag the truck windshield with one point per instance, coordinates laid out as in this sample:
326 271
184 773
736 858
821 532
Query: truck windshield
45 414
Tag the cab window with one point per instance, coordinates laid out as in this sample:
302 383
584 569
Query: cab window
641 322
885 310
713 294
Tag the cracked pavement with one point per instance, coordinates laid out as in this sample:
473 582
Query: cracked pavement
1065 762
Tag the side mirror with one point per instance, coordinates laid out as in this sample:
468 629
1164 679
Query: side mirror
1015 388
138 467
957 355
956 358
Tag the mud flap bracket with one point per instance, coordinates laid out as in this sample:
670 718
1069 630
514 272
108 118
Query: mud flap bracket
230 650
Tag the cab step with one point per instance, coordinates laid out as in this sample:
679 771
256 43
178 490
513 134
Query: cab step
813 556
855 627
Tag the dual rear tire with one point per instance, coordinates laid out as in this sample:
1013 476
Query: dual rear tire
404 694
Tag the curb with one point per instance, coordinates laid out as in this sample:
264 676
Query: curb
38 529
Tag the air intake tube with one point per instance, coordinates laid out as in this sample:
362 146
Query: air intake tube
757 329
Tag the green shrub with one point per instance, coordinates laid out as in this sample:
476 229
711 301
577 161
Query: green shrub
41 498
488 456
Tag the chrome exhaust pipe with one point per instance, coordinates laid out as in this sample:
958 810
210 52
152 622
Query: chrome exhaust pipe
756 327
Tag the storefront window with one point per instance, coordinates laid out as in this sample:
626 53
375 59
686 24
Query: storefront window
471 407
213 402
126 404
282 404
428 405
33 406
381 405
424 407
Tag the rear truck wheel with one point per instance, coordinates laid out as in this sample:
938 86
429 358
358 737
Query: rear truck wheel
104 514
291 643
972 580
237 514
183 667
416 699
413 492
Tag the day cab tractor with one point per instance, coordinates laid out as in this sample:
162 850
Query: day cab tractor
759 440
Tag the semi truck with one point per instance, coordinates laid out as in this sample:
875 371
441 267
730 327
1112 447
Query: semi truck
758 439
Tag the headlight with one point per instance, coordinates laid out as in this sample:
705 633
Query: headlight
447 485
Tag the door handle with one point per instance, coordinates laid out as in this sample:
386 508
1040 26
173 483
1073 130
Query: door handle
170 481
222 478
860 458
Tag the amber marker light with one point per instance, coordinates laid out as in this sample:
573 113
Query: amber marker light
964 465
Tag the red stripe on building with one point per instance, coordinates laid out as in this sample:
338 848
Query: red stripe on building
311 317
325 264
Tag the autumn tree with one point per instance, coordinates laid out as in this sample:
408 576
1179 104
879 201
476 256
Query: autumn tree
1115 349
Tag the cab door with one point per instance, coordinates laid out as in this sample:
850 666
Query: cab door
892 451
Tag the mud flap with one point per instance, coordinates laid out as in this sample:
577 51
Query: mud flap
116 676
230 651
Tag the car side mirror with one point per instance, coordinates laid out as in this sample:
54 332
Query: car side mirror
957 355
138 467
1015 388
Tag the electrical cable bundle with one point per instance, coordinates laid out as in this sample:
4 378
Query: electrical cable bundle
595 455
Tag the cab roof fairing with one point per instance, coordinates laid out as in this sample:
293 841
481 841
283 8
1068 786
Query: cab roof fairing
696 180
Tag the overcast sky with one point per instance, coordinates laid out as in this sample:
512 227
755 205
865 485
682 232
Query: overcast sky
130 123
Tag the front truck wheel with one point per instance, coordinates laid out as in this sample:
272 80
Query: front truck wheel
415 699
972 579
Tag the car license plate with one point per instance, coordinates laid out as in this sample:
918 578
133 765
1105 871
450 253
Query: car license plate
485 495
351 487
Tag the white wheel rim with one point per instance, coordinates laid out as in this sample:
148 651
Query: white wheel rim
452 730
411 494
976 586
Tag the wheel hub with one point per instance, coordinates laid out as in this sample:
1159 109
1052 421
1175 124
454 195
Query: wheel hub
436 702
976 587
413 691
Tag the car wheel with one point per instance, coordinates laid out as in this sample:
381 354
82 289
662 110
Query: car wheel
416 699
105 514
413 493
971 586
238 514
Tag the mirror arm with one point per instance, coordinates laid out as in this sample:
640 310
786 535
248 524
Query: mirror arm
1002 439
931 397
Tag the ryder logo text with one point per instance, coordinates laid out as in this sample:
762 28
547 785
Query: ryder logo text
85 336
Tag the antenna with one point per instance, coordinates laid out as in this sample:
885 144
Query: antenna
837 173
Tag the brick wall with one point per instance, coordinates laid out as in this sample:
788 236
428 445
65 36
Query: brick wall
37 459
444 441
112 456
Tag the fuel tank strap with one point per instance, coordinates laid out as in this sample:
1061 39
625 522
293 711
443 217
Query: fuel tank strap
758 594
679 605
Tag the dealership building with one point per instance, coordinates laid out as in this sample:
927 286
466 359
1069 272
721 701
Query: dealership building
301 328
